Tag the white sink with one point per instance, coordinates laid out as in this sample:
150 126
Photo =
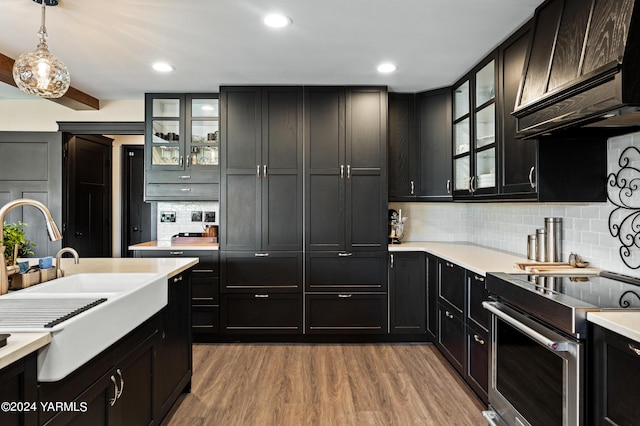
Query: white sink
132 298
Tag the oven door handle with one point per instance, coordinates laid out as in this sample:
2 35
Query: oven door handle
543 340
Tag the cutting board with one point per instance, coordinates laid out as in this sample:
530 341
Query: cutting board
555 268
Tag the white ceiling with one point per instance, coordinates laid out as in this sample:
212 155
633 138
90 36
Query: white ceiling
109 45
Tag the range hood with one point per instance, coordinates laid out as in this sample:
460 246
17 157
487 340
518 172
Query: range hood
582 69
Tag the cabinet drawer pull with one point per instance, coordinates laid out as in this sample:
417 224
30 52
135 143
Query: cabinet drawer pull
116 391
413 188
345 296
345 254
176 253
634 349
202 271
477 278
185 189
449 314
478 339
261 254
177 279
185 177
531 182
261 296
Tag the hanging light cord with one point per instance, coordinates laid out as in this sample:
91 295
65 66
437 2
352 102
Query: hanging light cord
43 30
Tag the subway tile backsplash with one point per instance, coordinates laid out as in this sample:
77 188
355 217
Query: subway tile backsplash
183 221
505 226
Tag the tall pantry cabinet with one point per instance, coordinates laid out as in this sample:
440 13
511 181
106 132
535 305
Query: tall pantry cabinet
346 209
261 210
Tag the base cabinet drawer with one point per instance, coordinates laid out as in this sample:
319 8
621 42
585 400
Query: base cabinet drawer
357 271
333 313
261 313
477 361
452 336
261 271
205 319
186 191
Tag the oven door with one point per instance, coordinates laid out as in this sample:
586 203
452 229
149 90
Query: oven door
535 374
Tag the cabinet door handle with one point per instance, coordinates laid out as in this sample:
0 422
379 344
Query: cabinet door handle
341 171
261 254
189 160
261 296
634 349
177 279
477 278
185 177
450 265
345 296
176 253
531 182
413 187
478 339
448 186
257 171
345 254
116 391
391 258
348 171
448 314
121 383
181 161
264 171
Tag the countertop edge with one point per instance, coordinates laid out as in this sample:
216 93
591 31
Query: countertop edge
19 345
626 324
162 245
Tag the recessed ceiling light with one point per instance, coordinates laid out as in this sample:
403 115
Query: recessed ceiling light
162 67
386 67
276 20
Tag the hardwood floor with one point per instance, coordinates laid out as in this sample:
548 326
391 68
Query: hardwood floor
324 384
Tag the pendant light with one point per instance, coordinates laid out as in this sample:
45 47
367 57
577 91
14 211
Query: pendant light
38 72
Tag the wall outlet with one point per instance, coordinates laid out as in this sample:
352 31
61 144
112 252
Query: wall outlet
209 216
196 216
167 216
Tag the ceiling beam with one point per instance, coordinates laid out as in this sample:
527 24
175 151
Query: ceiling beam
74 98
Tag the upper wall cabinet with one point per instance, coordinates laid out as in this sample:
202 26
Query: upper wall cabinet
475 132
403 147
181 146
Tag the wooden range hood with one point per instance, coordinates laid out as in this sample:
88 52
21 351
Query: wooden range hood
582 69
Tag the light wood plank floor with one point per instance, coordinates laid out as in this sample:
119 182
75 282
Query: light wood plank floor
324 384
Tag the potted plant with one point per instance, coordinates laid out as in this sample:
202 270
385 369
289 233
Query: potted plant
14 233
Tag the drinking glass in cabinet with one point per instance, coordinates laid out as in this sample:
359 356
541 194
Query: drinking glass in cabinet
204 108
166 108
461 100
206 155
165 155
165 131
461 173
486 168
486 126
485 84
204 131
461 137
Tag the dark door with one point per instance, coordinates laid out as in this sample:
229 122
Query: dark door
137 215
407 292
403 152
87 195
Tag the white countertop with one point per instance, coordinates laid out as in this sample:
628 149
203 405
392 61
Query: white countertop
625 323
168 245
20 345
169 266
478 259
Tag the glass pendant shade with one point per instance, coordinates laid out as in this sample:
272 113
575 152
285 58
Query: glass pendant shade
40 73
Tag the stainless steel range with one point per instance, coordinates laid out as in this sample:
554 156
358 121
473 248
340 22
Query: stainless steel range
538 343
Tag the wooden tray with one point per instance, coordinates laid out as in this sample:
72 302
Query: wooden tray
555 268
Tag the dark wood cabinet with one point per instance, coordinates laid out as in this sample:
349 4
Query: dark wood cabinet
476 294
261 312
407 292
477 368
205 289
451 336
432 296
18 383
346 173
452 284
346 312
261 167
403 147
434 143
181 147
269 271
615 384
357 271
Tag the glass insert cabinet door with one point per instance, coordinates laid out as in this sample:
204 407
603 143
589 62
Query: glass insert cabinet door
166 141
461 137
204 132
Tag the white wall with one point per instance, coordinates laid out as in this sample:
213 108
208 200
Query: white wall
183 221
505 226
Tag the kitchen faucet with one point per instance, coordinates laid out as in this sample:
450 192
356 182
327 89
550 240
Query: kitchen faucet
76 260
52 230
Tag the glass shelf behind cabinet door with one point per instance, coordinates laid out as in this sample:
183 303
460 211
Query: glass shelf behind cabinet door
485 84
486 168
165 149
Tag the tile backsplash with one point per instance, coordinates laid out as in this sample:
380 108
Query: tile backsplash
183 211
505 226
